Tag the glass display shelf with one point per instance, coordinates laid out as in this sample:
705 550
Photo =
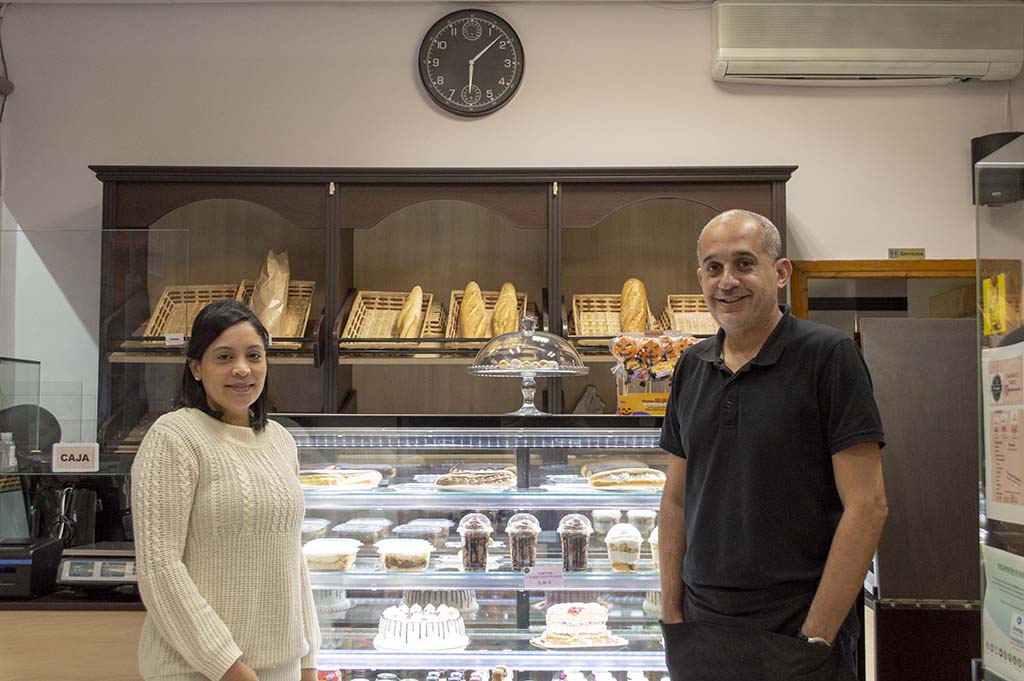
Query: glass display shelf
353 649
445 572
429 499
624 610
477 438
168 356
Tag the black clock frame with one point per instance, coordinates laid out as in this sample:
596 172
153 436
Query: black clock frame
429 40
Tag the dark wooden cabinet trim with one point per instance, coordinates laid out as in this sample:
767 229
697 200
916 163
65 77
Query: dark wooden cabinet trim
440 175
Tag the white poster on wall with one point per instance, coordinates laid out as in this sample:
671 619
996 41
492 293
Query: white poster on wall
1002 622
1002 393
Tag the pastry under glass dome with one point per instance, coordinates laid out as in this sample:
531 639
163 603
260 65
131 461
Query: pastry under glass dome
527 354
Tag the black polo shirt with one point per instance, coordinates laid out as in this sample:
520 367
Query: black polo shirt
761 501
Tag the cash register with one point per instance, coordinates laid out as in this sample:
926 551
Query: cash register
107 564
28 566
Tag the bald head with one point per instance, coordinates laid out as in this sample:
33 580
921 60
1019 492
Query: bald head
770 237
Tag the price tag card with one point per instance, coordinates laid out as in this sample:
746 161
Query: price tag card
174 340
548 576
76 457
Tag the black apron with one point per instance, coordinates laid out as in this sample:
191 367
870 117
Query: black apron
756 643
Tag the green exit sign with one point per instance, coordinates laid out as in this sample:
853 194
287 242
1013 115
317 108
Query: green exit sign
906 254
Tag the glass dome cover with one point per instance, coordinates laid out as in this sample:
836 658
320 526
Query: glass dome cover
527 352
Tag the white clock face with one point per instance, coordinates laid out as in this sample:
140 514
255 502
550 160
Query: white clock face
471 62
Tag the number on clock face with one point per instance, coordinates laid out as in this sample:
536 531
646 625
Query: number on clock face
471 62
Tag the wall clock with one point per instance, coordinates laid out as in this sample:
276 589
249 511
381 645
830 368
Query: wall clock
471 62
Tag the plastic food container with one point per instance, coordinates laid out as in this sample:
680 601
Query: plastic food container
404 555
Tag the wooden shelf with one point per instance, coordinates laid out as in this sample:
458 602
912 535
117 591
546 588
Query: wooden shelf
127 357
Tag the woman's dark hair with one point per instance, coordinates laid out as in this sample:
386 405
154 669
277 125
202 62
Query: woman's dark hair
212 321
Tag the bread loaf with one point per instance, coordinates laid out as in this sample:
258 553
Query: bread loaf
633 313
411 316
506 311
472 314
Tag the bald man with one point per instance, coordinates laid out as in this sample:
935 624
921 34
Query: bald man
774 502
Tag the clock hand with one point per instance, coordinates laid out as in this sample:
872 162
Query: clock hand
470 74
473 60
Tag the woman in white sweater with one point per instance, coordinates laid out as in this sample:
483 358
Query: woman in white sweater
218 513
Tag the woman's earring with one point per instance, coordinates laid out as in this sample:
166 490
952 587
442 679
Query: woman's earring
196 376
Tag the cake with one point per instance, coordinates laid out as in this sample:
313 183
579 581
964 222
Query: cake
652 603
404 628
463 600
642 519
443 524
577 624
574 530
329 553
523 529
431 533
604 518
624 542
475 530
330 601
404 555
314 528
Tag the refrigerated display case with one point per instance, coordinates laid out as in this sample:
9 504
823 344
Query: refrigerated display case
547 455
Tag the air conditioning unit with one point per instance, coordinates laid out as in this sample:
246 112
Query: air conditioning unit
865 43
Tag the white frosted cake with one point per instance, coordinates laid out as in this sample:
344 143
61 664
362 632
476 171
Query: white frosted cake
463 600
403 628
330 601
578 624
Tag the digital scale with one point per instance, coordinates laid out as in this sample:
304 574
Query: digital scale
103 564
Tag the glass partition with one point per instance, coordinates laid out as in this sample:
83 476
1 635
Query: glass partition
1000 224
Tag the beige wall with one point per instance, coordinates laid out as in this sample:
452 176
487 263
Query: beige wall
336 85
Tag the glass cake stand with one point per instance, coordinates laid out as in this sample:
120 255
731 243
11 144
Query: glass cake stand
527 354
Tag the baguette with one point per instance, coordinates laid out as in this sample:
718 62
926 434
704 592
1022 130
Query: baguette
472 314
628 477
340 479
633 313
607 463
486 478
506 311
411 316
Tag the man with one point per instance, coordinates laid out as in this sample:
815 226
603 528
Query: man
774 502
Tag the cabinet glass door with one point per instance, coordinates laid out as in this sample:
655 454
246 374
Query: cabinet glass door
440 245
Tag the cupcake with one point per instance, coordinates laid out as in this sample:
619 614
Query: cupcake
604 518
574 530
475 530
523 529
624 542
654 549
642 519
328 553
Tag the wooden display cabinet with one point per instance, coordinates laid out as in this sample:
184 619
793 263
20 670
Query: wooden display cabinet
554 233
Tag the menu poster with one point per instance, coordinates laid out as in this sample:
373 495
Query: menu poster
1003 405
1002 622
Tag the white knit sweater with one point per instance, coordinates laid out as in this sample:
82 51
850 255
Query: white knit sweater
218 513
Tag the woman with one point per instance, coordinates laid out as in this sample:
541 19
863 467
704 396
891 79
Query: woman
218 512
